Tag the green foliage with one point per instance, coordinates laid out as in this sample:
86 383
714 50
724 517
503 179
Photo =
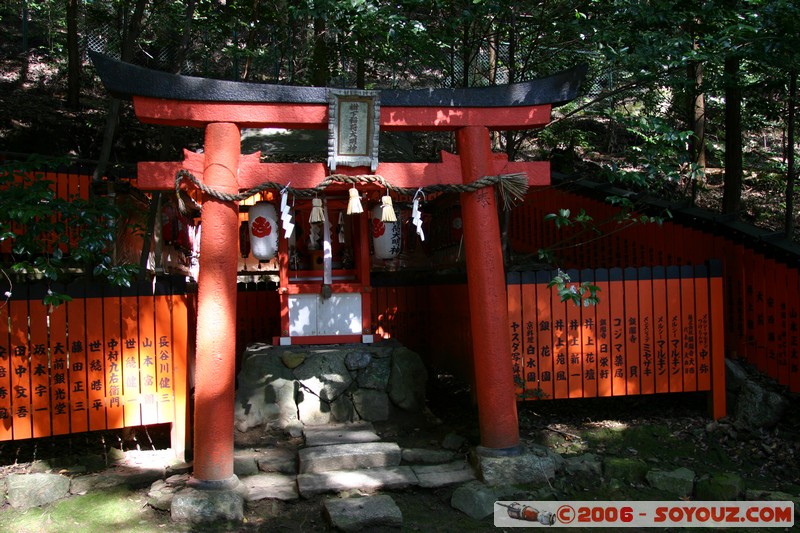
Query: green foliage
581 294
55 238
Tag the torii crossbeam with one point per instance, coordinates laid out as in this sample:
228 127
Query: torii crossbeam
223 108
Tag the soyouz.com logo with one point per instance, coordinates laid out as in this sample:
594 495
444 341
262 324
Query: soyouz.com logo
643 514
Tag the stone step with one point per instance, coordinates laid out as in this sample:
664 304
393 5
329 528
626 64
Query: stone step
271 485
340 434
424 456
353 456
357 514
388 478
431 476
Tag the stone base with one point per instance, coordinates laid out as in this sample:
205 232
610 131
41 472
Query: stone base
286 386
526 465
204 506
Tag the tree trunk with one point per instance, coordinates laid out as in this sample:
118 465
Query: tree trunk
697 119
790 172
73 56
319 58
732 192
131 35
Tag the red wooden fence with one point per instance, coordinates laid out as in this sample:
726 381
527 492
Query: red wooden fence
107 359
654 330
760 273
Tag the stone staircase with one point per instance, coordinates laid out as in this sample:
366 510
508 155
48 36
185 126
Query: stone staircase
338 458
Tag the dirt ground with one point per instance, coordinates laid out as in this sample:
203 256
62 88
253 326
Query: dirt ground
667 431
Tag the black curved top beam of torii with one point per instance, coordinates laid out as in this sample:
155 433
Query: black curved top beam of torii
126 80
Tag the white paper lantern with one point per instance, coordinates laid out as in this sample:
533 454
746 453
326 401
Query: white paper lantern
386 236
263 231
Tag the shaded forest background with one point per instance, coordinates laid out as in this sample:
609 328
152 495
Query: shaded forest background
692 103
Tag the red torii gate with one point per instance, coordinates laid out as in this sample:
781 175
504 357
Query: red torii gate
223 108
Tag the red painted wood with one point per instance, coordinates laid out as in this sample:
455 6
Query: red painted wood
718 399
544 315
703 330
689 329
647 363
494 385
573 327
112 346
660 331
164 343
59 384
315 116
39 369
183 334
793 328
530 336
129 308
633 325
216 314
95 365
516 327
20 368
6 365
148 359
674 330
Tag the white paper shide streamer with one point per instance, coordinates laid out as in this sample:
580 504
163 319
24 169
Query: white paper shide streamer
286 215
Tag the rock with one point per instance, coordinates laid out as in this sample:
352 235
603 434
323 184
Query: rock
280 460
343 410
348 456
372 405
244 463
293 359
533 465
422 456
311 410
774 496
757 407
340 434
388 478
357 360
376 374
274 486
474 499
587 465
179 468
115 455
324 374
625 469
265 391
203 506
679 482
453 441
407 380
355 514
735 375
431 476
25 491
720 487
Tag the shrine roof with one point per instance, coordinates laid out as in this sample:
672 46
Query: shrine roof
126 80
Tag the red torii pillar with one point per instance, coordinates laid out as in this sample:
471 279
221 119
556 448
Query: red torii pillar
488 304
223 108
216 312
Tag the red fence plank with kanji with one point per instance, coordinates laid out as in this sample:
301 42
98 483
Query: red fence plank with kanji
651 332
108 358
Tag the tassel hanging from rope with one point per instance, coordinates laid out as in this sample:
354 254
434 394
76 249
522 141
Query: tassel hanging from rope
354 203
387 209
317 214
